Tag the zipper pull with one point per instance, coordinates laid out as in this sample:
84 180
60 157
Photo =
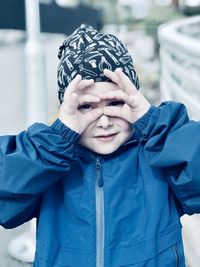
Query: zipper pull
99 173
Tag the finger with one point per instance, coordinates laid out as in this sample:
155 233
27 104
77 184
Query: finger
116 111
72 104
88 99
111 75
126 83
119 79
72 86
94 114
85 83
117 94
129 100
74 83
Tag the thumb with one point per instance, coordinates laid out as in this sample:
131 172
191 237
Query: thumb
94 114
113 111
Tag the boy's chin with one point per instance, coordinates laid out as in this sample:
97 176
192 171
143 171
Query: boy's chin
103 150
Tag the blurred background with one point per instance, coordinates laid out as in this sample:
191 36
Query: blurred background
163 37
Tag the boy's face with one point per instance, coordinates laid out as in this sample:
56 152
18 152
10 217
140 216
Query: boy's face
106 134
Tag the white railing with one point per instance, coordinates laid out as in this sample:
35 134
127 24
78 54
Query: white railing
180 81
180 63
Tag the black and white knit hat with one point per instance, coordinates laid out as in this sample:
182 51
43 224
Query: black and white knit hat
88 52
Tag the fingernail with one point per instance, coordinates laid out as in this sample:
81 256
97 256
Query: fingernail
118 69
108 70
105 70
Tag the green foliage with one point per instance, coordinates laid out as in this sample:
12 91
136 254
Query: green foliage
158 16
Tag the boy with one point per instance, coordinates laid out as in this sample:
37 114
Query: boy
131 170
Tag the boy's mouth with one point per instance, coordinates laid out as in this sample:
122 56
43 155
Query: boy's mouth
106 137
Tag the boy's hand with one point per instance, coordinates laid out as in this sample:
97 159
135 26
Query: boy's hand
135 104
69 113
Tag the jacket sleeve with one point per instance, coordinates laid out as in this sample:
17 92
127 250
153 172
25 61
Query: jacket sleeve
30 163
172 142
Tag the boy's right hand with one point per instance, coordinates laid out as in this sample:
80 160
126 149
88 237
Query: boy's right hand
69 113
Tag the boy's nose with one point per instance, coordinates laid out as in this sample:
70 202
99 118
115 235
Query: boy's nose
104 122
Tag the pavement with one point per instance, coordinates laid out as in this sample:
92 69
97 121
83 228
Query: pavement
5 237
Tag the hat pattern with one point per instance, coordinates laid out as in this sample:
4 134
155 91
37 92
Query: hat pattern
88 52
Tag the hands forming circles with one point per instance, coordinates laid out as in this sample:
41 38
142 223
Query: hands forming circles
134 103
69 113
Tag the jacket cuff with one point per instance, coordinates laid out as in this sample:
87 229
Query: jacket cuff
140 124
68 134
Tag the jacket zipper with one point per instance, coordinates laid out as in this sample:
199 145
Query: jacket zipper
99 215
177 255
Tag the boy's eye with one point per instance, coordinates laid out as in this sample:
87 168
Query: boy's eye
117 103
85 106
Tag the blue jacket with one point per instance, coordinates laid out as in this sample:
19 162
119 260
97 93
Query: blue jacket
117 210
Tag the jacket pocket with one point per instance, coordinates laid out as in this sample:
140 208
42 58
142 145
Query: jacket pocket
170 257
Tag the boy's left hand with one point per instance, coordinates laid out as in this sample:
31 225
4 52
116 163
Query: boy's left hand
135 104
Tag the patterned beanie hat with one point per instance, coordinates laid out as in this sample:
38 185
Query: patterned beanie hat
88 52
